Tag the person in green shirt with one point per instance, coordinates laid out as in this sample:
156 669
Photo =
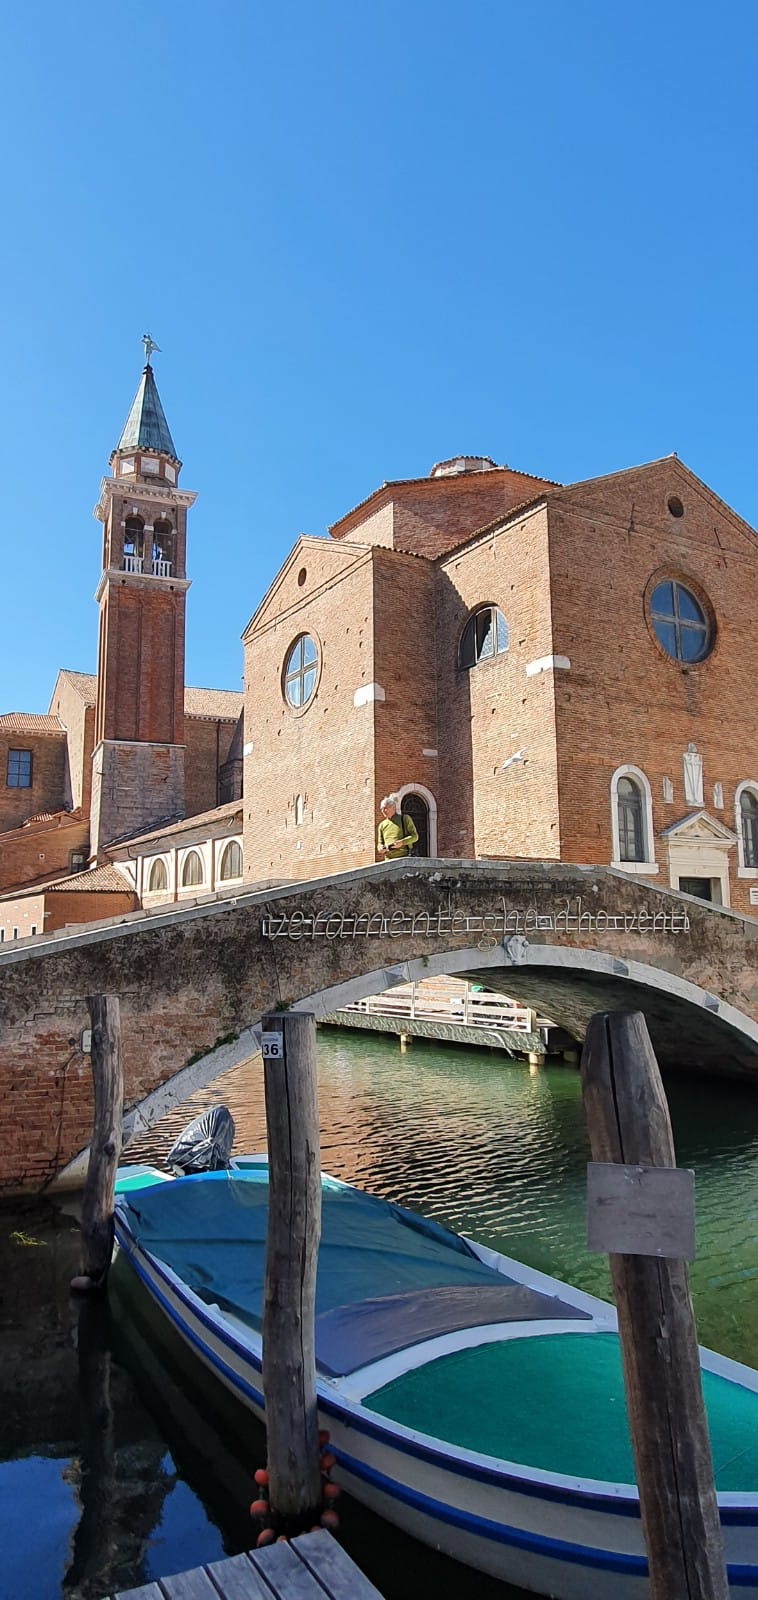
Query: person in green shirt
397 833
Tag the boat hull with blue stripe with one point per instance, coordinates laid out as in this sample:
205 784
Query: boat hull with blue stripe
472 1401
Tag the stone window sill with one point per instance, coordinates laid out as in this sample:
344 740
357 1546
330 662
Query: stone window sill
644 868
747 872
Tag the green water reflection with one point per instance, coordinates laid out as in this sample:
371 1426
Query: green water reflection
117 1465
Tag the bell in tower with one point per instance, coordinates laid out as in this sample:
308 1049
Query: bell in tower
138 760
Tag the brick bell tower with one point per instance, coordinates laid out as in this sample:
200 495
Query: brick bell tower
138 759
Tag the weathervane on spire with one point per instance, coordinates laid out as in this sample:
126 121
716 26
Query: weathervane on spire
149 346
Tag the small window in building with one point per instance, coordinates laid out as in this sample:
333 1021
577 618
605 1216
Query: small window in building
676 509
749 821
77 861
159 877
231 861
298 810
2 936
19 769
679 622
192 871
484 636
15 933
300 671
631 826
33 929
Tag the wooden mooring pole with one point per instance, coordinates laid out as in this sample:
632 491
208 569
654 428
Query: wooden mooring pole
105 1147
628 1122
294 1229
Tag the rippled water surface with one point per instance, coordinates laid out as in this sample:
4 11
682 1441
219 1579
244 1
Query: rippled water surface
117 1467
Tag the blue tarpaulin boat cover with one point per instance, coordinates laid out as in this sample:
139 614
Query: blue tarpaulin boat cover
386 1277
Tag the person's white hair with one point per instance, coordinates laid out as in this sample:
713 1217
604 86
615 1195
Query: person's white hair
390 800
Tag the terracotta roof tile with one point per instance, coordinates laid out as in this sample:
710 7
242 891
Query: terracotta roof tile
215 703
29 722
99 880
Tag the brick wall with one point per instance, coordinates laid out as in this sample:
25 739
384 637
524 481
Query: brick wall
493 710
405 652
78 719
429 516
325 753
134 788
49 789
141 663
42 849
208 741
624 701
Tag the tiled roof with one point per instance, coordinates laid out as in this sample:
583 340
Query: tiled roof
146 427
100 880
214 703
224 703
182 825
85 684
29 722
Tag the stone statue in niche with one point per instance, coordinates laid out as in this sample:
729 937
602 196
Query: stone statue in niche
718 796
668 791
693 776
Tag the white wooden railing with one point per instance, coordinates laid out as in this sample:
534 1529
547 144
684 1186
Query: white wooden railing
449 1000
159 568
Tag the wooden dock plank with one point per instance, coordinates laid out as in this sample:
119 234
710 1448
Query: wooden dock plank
148 1591
189 1586
312 1567
334 1569
287 1576
237 1579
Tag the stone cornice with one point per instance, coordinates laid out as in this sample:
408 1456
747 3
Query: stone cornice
139 580
160 495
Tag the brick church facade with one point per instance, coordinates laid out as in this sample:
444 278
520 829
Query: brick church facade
542 671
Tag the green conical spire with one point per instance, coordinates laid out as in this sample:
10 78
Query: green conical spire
146 427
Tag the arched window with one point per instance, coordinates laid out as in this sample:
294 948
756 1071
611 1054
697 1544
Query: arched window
298 810
163 549
158 877
632 829
134 544
749 827
231 861
192 871
630 817
300 671
484 636
679 622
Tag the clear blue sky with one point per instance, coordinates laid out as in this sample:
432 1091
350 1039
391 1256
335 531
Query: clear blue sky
366 237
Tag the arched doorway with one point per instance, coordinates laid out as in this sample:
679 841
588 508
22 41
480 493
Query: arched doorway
414 805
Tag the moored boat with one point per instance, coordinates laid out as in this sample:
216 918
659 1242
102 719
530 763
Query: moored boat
474 1402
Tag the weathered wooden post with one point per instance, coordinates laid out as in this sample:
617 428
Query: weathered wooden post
628 1122
105 1148
294 1230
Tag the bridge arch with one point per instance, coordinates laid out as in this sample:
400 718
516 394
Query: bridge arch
194 980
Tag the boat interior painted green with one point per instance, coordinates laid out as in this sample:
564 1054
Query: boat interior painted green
556 1402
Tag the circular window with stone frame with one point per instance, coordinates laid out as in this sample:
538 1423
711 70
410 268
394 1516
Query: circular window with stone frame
300 672
680 620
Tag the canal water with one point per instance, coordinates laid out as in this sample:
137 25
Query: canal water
120 1463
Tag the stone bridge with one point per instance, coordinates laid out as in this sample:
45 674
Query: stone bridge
194 981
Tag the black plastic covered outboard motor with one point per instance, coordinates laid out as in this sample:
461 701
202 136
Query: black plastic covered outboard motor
205 1144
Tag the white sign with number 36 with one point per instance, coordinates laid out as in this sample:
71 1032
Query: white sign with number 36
272 1046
